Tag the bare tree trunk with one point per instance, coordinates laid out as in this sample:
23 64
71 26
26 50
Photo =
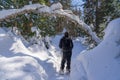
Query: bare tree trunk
97 18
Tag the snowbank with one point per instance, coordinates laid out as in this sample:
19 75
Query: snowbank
17 62
21 68
102 62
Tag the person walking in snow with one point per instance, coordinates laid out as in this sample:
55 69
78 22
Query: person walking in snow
66 45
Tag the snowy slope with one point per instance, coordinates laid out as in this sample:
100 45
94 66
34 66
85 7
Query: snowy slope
16 65
102 62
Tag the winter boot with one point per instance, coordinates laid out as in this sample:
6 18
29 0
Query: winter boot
67 71
61 72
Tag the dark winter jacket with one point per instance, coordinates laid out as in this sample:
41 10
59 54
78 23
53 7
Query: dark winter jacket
66 44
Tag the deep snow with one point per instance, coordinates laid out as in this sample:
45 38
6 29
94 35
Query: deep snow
102 62
35 62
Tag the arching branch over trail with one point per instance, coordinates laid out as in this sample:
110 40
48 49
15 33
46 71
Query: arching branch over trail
55 9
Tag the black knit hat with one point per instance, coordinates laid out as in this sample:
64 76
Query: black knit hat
66 34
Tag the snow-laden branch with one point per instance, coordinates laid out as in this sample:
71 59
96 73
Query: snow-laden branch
6 14
55 9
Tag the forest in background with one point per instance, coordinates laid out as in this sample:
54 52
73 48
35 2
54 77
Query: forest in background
96 13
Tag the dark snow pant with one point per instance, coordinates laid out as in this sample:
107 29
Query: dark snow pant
66 58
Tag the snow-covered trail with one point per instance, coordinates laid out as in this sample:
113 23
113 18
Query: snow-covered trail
34 62
78 47
52 64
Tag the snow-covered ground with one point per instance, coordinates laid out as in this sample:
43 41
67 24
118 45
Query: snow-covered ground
102 62
35 62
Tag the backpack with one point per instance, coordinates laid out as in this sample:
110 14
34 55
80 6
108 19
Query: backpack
66 44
